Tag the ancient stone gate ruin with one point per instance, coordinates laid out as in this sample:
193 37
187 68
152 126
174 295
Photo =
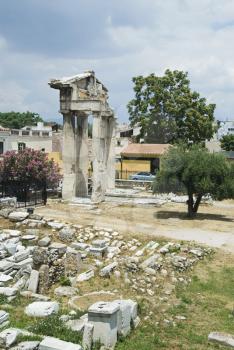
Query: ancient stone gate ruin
80 96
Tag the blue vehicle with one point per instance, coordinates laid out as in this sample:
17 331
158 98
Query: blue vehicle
142 176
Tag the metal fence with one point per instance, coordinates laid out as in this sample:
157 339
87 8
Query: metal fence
26 196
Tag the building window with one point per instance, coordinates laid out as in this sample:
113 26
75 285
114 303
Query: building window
36 133
21 146
45 133
1 147
14 132
25 132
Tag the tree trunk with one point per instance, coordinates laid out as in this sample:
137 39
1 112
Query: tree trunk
44 193
190 205
193 207
197 203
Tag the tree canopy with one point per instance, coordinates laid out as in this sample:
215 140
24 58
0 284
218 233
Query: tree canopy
168 110
227 142
17 120
196 172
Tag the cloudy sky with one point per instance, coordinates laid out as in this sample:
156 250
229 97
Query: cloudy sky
43 39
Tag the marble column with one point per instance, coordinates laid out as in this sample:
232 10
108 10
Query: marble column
69 176
110 153
98 190
82 161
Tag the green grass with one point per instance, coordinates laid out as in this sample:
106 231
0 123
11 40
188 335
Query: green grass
64 281
52 326
49 326
3 299
24 338
207 303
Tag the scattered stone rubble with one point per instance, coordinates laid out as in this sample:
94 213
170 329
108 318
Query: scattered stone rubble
38 252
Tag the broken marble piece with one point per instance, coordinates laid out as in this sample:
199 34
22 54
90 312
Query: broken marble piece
107 270
42 308
85 276
50 343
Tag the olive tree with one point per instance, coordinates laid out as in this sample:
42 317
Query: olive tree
196 172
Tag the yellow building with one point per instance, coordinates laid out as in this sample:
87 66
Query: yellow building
138 157
57 157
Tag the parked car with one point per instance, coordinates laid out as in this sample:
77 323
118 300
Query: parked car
142 176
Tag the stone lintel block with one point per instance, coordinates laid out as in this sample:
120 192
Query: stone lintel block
86 106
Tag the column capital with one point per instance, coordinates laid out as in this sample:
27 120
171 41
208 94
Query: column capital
97 114
81 113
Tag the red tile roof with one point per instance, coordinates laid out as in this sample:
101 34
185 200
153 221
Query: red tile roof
3 129
144 149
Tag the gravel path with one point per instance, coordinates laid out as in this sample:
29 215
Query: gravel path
215 232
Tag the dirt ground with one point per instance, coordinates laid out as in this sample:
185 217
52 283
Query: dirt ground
213 226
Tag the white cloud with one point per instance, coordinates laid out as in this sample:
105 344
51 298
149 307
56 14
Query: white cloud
13 97
3 43
191 35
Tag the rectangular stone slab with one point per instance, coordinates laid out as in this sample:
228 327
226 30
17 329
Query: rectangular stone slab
23 263
106 308
8 292
5 278
21 256
33 281
3 316
5 265
50 343
222 339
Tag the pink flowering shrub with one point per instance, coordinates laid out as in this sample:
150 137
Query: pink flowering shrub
31 167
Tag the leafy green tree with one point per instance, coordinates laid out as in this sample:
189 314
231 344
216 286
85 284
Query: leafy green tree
17 120
196 172
168 110
227 142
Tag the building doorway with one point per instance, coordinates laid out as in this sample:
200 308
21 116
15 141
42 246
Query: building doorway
1 147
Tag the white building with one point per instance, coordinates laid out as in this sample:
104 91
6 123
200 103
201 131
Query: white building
123 136
225 128
37 137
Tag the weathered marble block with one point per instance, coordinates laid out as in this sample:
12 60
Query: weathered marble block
104 317
50 343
